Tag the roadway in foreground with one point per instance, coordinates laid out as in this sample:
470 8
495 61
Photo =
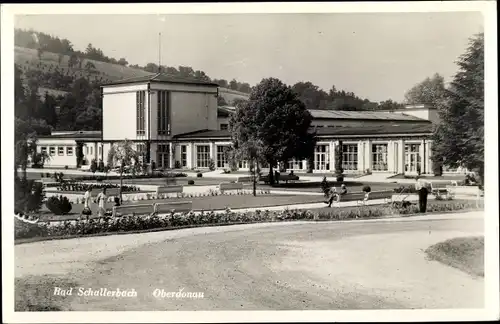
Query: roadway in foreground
376 264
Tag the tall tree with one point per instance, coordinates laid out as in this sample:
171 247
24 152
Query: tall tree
48 110
310 94
123 155
276 118
429 91
459 138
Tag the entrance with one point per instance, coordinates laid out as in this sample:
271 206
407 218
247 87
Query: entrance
163 156
321 157
412 157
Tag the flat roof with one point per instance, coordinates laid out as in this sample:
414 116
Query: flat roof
80 135
161 78
361 115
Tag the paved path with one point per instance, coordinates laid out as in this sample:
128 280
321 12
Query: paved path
365 264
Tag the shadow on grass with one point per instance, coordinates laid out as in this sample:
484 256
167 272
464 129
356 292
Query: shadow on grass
463 253
36 294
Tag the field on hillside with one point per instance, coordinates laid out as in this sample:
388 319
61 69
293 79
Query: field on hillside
27 59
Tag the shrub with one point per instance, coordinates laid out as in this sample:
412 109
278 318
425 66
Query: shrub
100 166
211 165
66 167
190 182
59 206
47 175
177 164
367 189
28 195
340 178
325 186
199 175
437 169
226 171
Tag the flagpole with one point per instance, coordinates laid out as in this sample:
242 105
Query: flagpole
159 52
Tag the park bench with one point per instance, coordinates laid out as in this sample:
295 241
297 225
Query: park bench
440 189
468 191
173 207
224 186
243 179
385 194
132 209
169 189
283 177
85 167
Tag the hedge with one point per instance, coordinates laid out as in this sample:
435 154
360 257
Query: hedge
76 186
138 223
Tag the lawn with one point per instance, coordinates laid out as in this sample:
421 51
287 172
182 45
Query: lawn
458 177
463 253
205 203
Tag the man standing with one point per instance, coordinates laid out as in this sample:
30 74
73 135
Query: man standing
421 188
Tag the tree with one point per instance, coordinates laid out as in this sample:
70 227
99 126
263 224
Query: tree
459 139
123 155
221 101
310 94
48 110
250 151
430 91
89 66
122 61
233 85
274 117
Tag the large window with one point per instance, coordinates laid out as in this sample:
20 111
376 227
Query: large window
202 156
183 155
69 150
43 149
141 150
163 113
350 157
52 150
379 157
221 155
412 157
163 156
322 157
141 112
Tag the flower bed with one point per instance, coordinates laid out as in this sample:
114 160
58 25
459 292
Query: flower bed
77 186
137 176
157 222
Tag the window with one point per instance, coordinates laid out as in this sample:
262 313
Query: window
202 156
412 157
60 150
221 156
224 126
91 150
163 156
322 157
163 113
69 150
100 150
243 164
350 157
141 150
141 120
86 150
183 155
295 165
52 150
379 157
43 149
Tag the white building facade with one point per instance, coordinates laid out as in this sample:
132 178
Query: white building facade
176 124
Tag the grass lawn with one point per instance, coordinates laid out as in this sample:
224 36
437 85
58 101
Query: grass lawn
182 181
205 203
464 253
352 186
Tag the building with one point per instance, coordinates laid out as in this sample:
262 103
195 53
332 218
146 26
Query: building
176 123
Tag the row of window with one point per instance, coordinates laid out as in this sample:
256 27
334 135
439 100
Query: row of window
60 150
163 99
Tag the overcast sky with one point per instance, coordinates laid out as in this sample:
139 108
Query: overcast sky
375 55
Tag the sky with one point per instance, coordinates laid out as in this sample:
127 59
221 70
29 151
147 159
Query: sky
377 56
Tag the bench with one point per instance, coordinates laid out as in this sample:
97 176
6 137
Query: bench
132 209
386 195
471 191
243 179
439 189
173 207
169 189
230 186
85 167
283 177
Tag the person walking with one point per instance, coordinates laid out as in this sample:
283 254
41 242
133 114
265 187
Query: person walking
332 195
86 204
101 201
423 192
